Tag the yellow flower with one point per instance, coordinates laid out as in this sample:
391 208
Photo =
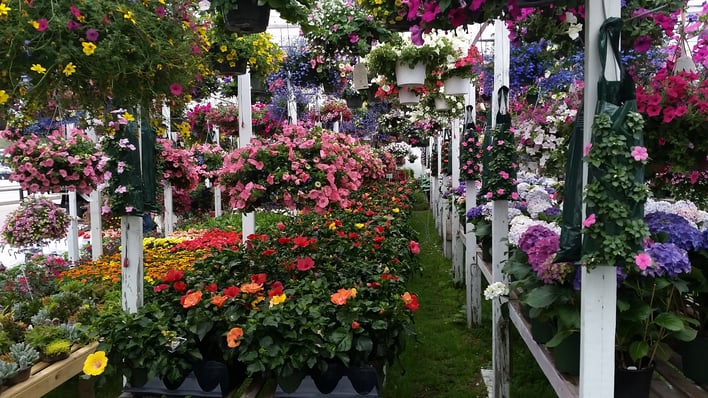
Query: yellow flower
38 68
89 47
395 210
127 116
333 226
95 363
254 303
4 9
129 16
69 69
275 300
223 48
252 60
34 24
3 97
359 225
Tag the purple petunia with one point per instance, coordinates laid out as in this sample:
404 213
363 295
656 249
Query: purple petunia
92 35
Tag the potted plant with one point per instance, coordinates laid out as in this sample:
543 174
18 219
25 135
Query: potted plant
335 110
342 28
7 371
35 222
251 16
24 355
234 53
456 76
59 46
413 60
50 340
382 59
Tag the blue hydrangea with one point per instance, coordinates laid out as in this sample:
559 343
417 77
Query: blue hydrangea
669 260
672 228
474 212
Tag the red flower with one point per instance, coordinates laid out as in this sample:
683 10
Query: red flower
411 301
389 277
258 278
161 287
281 226
191 299
173 275
211 288
284 240
305 264
180 286
355 325
414 246
232 291
268 252
301 241
276 289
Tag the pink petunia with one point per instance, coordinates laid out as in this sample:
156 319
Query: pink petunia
642 260
589 221
176 89
639 153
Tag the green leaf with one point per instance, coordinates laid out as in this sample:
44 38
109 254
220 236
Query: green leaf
669 321
541 297
203 328
638 350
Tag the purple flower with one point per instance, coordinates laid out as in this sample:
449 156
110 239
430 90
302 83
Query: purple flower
669 259
92 35
474 212
532 235
672 228
72 25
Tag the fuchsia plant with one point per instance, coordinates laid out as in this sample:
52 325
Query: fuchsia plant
300 168
55 162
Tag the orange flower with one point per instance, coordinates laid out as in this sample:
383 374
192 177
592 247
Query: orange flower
191 299
233 336
251 288
219 300
342 295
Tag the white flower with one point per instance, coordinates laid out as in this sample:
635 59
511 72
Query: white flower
204 5
496 290
574 30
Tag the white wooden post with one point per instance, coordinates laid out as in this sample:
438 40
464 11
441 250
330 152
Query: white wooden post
245 131
598 304
169 217
218 211
500 228
335 127
131 255
169 220
473 275
73 234
292 105
456 245
131 239
96 228
456 127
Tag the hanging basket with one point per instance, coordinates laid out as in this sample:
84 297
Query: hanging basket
247 17
354 101
441 104
534 3
457 86
410 77
227 70
406 96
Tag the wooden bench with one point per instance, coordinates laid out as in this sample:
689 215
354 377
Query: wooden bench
45 377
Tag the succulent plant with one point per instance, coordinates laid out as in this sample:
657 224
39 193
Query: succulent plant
57 348
24 355
7 370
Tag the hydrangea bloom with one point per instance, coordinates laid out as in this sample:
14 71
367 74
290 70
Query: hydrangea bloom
669 259
676 228
519 224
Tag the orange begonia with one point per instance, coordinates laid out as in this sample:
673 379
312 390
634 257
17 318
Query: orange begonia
219 300
251 288
342 295
191 299
233 337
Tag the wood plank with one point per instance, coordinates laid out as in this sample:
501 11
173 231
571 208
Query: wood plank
680 382
46 378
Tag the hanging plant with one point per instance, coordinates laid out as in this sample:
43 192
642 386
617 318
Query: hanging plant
471 152
35 222
499 178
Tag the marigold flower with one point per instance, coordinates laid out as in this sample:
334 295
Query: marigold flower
233 337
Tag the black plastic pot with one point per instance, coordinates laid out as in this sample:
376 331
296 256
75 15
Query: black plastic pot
363 378
247 17
327 380
631 383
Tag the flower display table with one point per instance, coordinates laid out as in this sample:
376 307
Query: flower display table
46 377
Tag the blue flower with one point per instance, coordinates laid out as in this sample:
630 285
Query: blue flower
669 260
672 228
474 212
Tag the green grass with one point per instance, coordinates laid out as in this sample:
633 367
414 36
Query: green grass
445 357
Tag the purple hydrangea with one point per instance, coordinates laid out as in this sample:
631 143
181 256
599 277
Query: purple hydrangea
669 259
532 235
552 212
676 229
474 212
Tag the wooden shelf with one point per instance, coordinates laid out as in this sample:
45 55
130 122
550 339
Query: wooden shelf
46 377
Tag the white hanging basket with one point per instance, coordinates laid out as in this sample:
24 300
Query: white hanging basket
441 104
410 77
457 86
406 96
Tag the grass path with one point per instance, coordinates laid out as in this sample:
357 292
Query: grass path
445 357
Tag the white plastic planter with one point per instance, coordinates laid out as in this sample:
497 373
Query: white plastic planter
441 104
457 86
406 96
410 77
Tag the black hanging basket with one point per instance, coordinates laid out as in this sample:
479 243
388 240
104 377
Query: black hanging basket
226 69
354 101
535 3
247 17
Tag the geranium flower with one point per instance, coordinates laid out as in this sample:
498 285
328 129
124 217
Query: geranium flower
191 299
342 295
411 301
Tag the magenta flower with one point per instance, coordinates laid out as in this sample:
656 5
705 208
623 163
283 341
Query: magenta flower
92 35
176 89
642 260
353 38
586 150
639 153
72 25
42 24
589 221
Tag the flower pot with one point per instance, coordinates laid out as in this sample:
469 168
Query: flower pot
290 383
633 383
138 377
457 86
248 17
541 330
408 97
441 104
354 101
54 357
19 377
227 70
326 381
210 374
693 356
174 384
567 355
363 378
410 77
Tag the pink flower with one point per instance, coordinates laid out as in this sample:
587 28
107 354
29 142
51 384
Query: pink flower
639 153
504 175
589 221
176 89
42 24
488 195
586 150
353 38
415 248
500 191
514 195
642 260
